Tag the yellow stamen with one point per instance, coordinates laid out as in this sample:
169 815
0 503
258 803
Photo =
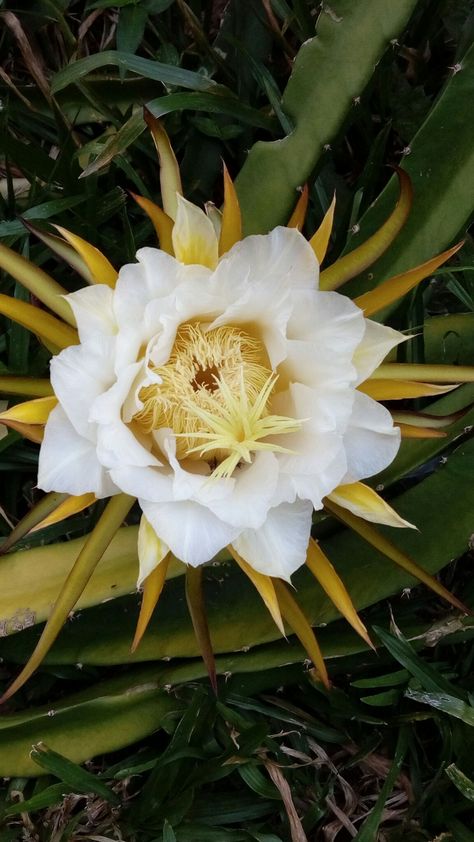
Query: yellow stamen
215 394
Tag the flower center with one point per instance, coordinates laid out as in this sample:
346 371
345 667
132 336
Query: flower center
215 394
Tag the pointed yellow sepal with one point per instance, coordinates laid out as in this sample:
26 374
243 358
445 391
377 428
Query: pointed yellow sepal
411 431
29 418
398 286
231 223
152 588
72 506
298 216
41 285
162 223
326 575
364 502
397 390
100 268
264 585
422 419
197 610
424 372
87 560
360 258
31 412
31 432
64 250
34 387
320 240
170 178
384 546
299 624
51 331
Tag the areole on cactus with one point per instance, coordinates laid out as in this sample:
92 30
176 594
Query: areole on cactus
223 383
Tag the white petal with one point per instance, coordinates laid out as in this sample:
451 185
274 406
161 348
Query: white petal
257 278
79 374
68 462
328 319
378 340
283 254
254 487
194 237
154 277
371 440
93 309
319 369
147 482
279 547
117 444
192 532
151 550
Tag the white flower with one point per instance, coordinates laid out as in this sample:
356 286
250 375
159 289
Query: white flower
223 396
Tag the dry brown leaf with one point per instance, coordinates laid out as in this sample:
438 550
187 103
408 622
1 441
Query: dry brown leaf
278 778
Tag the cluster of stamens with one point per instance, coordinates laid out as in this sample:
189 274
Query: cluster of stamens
214 394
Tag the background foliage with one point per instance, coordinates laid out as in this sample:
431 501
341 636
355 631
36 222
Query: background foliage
390 751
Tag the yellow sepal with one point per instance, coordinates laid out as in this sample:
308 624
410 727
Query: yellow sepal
398 286
299 624
424 372
170 178
72 506
360 258
397 390
100 268
326 575
264 585
152 588
231 223
162 223
363 501
50 330
410 431
31 412
41 285
320 240
298 216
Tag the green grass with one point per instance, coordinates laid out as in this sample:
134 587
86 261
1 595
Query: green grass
388 754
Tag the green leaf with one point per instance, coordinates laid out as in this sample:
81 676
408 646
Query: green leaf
368 831
351 37
168 832
71 774
53 794
214 103
117 144
429 677
441 165
168 74
451 705
464 784
131 27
